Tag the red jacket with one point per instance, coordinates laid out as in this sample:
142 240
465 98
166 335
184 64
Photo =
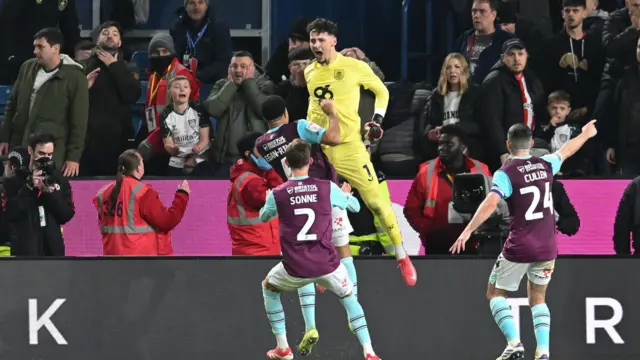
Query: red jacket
247 195
427 205
147 210
158 97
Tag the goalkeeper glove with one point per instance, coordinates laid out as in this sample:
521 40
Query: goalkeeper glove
373 128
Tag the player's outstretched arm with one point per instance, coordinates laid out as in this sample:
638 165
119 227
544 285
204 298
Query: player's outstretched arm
269 210
344 199
570 148
484 211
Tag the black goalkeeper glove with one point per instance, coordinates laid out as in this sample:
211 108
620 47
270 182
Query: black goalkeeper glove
373 128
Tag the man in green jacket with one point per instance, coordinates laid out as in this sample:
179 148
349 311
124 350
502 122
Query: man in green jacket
236 102
50 96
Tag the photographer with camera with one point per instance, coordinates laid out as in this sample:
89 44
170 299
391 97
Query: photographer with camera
427 205
37 199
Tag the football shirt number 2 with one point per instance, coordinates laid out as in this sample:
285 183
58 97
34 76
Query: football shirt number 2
304 235
547 202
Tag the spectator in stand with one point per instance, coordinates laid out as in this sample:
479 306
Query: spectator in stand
294 90
132 219
51 96
453 102
526 30
277 67
594 22
623 141
626 225
510 94
20 20
236 102
247 195
83 50
203 42
619 38
481 45
427 205
574 62
185 130
163 66
113 89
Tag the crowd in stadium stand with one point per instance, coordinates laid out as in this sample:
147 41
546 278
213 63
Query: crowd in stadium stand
504 70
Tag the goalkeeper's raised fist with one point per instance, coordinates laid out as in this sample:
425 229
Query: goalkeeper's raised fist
373 128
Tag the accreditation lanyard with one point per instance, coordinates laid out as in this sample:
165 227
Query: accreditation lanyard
192 43
155 84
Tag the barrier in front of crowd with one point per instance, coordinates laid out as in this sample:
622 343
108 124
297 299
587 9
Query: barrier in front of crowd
203 230
212 308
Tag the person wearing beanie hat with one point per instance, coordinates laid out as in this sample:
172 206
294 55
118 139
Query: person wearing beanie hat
163 66
202 42
277 67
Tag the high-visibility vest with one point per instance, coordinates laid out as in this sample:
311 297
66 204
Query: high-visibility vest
249 235
125 232
431 181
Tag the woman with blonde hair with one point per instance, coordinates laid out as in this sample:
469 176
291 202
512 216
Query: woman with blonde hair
452 102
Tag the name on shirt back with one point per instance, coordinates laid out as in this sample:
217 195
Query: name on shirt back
278 144
303 199
533 172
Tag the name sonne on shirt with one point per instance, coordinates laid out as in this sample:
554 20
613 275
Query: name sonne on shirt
304 199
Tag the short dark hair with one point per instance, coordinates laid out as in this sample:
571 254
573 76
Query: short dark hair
454 130
247 143
273 108
300 53
576 3
243 53
108 24
40 138
493 4
298 154
519 135
84 45
321 25
559 96
52 35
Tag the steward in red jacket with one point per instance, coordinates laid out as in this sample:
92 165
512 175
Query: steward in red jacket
247 195
427 205
133 220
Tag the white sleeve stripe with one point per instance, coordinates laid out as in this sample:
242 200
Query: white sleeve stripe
380 111
497 190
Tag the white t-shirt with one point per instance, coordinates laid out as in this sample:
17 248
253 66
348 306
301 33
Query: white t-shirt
184 129
451 105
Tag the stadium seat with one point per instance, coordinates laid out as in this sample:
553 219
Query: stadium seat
5 90
141 60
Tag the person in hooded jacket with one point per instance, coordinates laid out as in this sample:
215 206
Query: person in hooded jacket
51 96
247 195
594 22
511 94
202 42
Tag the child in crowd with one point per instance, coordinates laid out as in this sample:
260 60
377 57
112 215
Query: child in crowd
185 131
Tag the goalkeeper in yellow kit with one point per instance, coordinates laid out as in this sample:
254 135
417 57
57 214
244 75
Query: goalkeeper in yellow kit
337 77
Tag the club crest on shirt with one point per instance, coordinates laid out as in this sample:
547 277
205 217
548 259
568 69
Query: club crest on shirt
338 74
192 123
564 138
62 4
38 2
